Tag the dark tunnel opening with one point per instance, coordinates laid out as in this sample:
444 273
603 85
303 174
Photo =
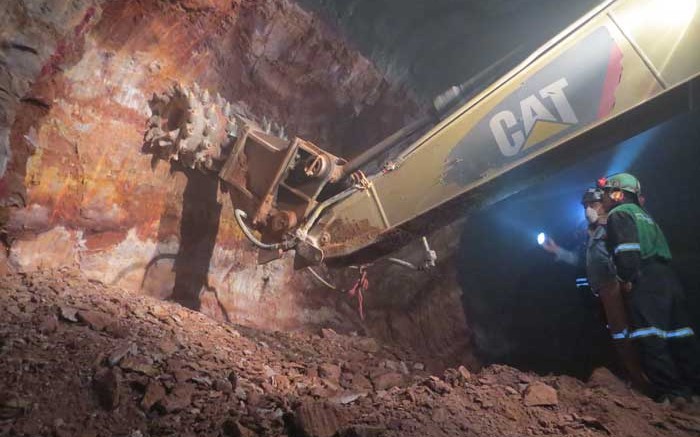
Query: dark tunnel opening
525 308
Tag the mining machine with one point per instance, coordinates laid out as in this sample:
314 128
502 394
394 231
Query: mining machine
624 67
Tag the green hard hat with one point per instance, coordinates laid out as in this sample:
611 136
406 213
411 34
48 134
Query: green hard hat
623 181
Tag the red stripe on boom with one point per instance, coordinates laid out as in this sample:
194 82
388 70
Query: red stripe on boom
612 80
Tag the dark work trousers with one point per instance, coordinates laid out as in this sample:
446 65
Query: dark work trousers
616 315
668 347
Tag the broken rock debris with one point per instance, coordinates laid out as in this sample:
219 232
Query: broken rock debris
540 394
194 377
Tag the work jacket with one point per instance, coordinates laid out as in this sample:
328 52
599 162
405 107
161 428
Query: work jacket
600 268
634 238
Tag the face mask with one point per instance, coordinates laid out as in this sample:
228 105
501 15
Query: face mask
591 215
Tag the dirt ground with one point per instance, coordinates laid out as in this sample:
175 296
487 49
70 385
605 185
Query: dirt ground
81 359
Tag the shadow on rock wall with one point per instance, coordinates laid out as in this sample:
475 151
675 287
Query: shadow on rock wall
199 227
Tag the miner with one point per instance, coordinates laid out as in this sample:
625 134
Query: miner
658 323
602 279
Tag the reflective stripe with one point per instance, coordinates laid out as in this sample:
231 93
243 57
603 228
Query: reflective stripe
620 335
649 332
628 247
683 332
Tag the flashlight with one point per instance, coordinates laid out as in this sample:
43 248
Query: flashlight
541 238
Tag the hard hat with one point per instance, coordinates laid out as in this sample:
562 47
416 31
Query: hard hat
621 181
592 195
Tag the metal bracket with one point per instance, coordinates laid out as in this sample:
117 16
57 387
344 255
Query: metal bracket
430 256
429 262
307 254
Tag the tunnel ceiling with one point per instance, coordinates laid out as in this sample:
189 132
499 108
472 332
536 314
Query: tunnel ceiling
431 45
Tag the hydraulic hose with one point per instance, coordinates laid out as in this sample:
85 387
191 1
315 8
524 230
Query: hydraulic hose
384 145
320 279
402 263
240 215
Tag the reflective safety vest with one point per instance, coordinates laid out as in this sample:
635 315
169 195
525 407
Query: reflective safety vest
652 242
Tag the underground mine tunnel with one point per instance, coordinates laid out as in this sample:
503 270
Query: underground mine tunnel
134 302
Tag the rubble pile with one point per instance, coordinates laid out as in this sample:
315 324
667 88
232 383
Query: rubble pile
78 358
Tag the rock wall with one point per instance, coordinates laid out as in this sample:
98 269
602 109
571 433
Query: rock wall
423 311
77 190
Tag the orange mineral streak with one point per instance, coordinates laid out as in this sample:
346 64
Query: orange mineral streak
87 177
91 168
177 50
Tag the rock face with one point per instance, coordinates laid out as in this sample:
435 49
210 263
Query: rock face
423 312
34 39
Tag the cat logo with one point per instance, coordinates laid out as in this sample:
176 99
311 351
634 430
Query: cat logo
539 108
542 115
